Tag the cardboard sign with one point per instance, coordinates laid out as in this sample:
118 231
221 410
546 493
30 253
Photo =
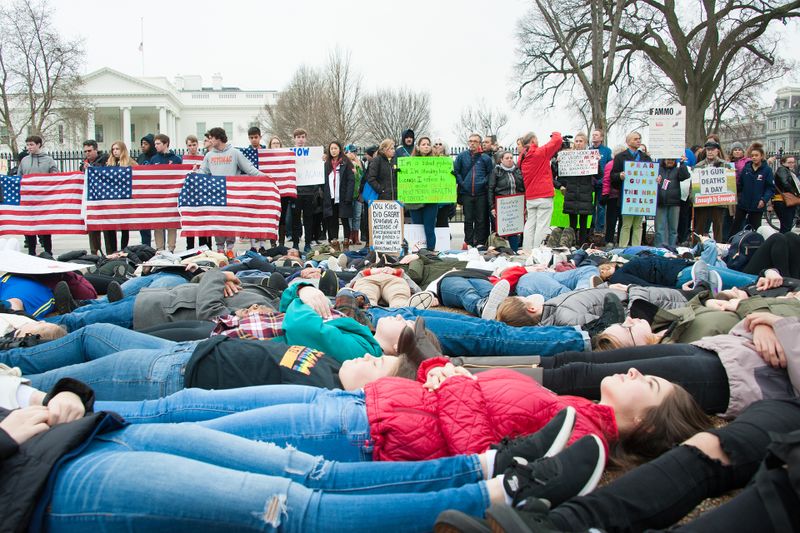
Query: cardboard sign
426 180
714 186
386 226
21 263
578 162
310 166
510 214
640 189
667 132
415 236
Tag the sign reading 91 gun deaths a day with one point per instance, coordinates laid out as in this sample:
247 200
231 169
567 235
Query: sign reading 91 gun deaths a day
714 186
667 132
310 166
386 226
640 189
578 162
425 180
510 214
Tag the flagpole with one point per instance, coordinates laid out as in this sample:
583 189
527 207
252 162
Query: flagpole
141 41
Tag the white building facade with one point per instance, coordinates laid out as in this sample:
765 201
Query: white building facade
127 108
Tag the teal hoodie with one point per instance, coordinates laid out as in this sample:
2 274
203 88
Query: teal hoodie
341 338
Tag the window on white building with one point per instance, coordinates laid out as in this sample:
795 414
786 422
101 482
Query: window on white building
98 133
774 125
60 134
5 138
783 123
201 130
228 127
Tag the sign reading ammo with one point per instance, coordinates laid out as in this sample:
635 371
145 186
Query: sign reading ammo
425 180
386 226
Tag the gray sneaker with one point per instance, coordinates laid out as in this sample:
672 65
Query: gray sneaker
700 273
499 293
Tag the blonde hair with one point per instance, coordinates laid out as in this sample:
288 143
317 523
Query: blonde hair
582 136
386 144
124 157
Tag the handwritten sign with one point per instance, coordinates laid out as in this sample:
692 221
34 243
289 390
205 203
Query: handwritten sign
640 189
415 236
310 166
510 214
714 186
667 132
386 226
425 180
578 162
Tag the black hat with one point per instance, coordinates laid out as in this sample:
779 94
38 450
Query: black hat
712 144
406 134
370 151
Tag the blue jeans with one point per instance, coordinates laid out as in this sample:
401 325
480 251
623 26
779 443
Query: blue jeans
117 313
159 477
551 284
730 278
147 236
355 220
86 344
464 293
427 217
158 280
667 225
599 217
467 335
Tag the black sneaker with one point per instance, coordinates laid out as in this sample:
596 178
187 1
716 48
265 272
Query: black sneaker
276 281
532 516
329 283
114 292
452 521
63 298
573 472
263 251
546 442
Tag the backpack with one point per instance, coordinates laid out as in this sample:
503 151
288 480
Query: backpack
743 245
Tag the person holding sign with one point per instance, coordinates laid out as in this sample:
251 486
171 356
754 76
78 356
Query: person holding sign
535 165
425 214
631 231
578 189
505 180
713 215
756 188
670 176
337 193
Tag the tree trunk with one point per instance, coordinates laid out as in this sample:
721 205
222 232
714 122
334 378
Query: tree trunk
695 120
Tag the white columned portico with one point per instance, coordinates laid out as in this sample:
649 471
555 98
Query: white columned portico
126 127
162 119
90 124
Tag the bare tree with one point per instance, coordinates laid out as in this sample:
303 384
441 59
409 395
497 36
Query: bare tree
387 112
300 105
342 96
696 45
480 118
568 52
39 80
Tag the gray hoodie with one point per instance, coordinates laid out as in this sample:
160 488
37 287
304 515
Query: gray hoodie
227 162
40 163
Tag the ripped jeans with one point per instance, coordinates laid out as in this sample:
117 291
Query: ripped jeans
183 477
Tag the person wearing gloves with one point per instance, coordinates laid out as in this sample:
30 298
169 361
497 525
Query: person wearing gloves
670 176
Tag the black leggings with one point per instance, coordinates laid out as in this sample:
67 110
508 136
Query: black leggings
661 492
697 370
182 330
780 251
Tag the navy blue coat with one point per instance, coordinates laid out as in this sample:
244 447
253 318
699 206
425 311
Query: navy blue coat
472 172
754 186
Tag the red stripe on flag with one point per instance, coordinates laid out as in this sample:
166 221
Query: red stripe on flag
281 165
47 206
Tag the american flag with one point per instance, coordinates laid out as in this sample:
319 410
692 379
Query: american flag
251 154
246 206
144 197
42 204
281 165
193 160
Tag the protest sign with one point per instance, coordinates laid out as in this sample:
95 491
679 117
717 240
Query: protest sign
714 186
559 218
15 262
667 132
310 166
425 180
415 236
578 162
640 189
386 226
510 214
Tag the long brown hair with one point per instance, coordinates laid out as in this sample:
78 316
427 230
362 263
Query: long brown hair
124 157
668 424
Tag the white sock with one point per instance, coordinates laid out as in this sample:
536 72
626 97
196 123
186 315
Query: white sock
508 499
489 456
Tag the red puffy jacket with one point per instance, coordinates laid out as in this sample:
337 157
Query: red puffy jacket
463 416
536 170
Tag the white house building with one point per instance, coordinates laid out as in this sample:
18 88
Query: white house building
126 108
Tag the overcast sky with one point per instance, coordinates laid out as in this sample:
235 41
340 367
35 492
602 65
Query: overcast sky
458 51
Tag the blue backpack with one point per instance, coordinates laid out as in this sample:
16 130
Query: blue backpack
743 245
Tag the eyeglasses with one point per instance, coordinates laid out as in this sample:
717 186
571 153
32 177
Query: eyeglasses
629 328
437 144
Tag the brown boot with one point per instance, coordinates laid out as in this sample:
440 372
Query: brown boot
335 245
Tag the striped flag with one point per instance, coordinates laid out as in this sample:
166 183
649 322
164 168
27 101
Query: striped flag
281 165
193 160
143 197
42 204
246 206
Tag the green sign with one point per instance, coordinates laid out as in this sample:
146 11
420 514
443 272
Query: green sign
425 180
559 218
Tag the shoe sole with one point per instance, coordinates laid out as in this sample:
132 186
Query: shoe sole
499 293
594 479
694 273
420 300
716 281
504 519
456 522
560 442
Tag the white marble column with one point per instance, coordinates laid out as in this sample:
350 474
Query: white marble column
162 120
178 141
90 124
126 127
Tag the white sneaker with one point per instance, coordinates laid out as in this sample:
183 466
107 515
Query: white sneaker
499 293
333 264
421 300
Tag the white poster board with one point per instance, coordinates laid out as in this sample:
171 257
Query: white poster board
415 235
578 162
20 263
510 214
310 166
667 132
386 226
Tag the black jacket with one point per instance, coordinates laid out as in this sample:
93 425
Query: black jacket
101 161
579 196
503 182
347 184
671 195
784 181
619 166
382 176
26 468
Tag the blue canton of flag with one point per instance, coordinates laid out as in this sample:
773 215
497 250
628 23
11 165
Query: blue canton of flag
202 190
110 183
10 185
251 154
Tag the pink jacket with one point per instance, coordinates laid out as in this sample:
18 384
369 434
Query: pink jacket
607 189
